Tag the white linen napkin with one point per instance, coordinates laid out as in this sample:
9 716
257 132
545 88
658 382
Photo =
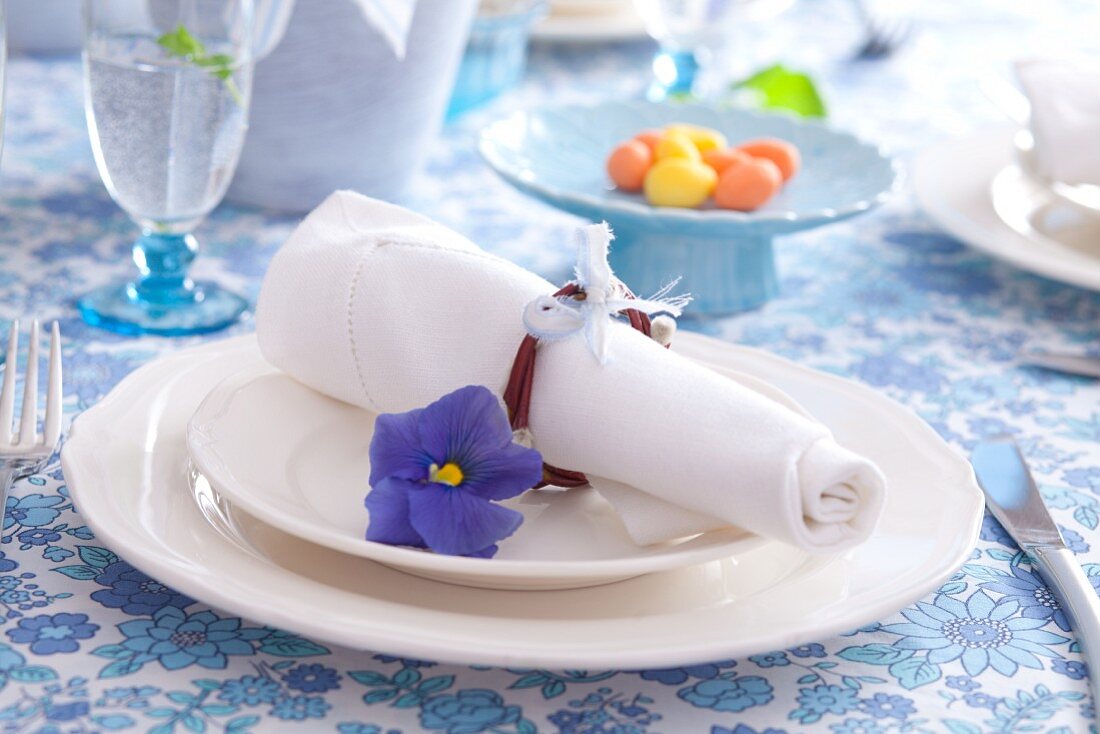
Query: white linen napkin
1065 117
385 309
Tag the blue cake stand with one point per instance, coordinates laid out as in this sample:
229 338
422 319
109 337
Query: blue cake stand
726 259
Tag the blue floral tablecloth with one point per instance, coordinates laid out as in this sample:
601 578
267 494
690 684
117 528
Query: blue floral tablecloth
885 299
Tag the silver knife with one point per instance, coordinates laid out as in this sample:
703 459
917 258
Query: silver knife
1014 500
1073 364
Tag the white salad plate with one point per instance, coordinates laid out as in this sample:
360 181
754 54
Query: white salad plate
299 461
973 188
127 467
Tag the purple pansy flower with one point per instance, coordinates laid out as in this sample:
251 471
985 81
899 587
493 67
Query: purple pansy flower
436 471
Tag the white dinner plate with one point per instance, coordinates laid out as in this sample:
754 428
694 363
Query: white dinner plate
298 460
126 466
954 182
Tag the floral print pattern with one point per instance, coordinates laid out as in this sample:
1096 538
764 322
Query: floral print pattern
90 643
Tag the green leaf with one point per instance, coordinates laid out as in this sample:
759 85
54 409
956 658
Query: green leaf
80 573
915 672
241 723
526 726
369 677
780 88
553 689
408 701
120 668
953 587
292 647
181 697
875 654
999 554
1087 516
379 695
180 42
439 682
406 677
32 674
957 726
530 680
96 557
114 721
113 652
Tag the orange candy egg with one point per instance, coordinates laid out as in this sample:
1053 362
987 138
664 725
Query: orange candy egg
720 160
650 138
628 164
783 154
746 186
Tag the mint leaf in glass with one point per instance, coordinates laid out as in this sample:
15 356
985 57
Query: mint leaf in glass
181 43
780 88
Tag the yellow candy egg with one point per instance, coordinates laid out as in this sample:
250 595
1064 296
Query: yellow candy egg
679 182
704 138
676 145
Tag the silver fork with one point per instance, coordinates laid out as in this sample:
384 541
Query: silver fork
24 451
883 33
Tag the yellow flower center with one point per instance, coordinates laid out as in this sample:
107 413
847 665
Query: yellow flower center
450 473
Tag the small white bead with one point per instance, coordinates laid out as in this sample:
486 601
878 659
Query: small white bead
662 329
524 437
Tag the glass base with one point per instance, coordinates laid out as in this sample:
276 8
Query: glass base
198 308
675 75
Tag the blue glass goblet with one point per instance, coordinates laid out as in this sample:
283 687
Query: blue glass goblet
688 32
167 94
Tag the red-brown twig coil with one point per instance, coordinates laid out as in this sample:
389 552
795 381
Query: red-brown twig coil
517 396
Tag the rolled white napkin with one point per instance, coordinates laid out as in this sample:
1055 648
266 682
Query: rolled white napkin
385 309
1065 117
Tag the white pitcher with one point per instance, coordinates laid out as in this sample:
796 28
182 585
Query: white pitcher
333 108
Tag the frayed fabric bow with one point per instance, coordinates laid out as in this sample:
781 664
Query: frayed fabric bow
598 296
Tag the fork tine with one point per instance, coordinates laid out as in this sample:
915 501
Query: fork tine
51 431
29 417
7 394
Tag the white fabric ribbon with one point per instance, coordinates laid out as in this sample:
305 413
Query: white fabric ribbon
551 318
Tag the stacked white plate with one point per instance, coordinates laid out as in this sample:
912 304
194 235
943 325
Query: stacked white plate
214 473
982 188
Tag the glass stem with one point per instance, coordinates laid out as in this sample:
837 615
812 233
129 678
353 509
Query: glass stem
675 71
163 260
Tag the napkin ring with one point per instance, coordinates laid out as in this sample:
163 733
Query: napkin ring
517 395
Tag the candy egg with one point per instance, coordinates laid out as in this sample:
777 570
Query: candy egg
650 138
720 160
628 163
677 145
780 152
679 182
746 186
705 138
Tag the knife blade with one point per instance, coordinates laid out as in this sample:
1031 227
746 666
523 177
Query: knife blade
1071 364
1014 499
